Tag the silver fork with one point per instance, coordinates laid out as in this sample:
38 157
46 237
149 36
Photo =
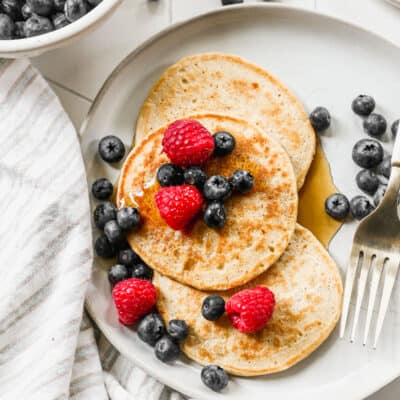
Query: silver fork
375 252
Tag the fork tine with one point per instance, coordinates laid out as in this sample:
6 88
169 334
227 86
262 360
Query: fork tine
388 283
348 287
362 281
376 276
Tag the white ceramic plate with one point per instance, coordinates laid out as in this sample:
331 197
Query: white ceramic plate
325 61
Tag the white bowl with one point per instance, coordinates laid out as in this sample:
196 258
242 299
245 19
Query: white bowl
36 45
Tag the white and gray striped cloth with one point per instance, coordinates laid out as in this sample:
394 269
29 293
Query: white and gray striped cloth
47 348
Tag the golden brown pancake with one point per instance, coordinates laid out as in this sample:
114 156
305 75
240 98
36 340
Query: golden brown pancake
308 293
230 85
259 224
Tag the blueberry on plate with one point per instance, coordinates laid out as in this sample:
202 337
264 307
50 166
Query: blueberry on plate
94 3
379 194
151 328
385 167
41 7
59 20
215 215
102 189
12 8
170 175
75 9
104 248
113 231
195 176
367 153
26 11
337 206
178 329
367 181
59 5
217 187
166 349
37 25
128 218
242 181
214 377
320 119
111 148
360 207
363 105
19 30
128 257
103 213
224 143
375 125
229 2
213 307
118 273
7 27
142 271
394 128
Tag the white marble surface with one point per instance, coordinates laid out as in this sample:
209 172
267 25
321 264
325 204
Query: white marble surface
77 72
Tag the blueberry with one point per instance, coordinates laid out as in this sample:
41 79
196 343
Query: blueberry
367 153
113 231
104 248
111 148
59 5
195 176
385 167
320 119
151 328
228 2
118 273
224 143
360 207
59 20
12 8
75 9
178 329
94 2
394 128
337 206
375 125
26 11
215 215
142 271
214 377
217 187
103 213
6 27
363 105
41 7
241 181
367 181
128 257
170 175
37 25
213 307
379 194
19 30
128 218
102 189
166 349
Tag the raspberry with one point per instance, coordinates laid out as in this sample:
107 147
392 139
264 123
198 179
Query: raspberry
133 299
178 205
250 309
187 142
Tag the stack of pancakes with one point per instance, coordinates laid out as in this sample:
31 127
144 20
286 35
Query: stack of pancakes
261 244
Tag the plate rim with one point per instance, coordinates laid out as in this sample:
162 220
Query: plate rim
366 389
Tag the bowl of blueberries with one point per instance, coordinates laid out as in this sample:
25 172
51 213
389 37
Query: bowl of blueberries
31 27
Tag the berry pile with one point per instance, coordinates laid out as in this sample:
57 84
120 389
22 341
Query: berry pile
26 18
185 185
368 154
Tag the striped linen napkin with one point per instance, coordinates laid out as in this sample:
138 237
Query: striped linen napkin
48 349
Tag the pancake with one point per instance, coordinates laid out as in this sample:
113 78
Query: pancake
230 85
308 292
259 224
